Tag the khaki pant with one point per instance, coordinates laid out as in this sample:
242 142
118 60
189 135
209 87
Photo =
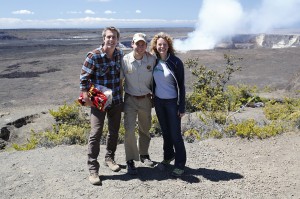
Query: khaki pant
137 109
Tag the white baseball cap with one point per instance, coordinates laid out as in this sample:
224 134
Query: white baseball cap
139 37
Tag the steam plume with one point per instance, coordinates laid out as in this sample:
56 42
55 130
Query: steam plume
220 19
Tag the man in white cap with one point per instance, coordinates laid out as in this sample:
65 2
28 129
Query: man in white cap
137 69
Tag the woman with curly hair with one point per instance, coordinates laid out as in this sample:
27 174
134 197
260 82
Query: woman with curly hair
169 100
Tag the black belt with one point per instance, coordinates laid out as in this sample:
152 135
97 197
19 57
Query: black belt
141 96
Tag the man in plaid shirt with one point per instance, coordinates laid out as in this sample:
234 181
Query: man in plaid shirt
102 67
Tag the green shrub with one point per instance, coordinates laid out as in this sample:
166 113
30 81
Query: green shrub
121 133
275 110
31 144
215 134
66 134
287 110
155 129
209 87
250 129
240 95
191 135
70 114
295 118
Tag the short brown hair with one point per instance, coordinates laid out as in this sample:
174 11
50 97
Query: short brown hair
111 28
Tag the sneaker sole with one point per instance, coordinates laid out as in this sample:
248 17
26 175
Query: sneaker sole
148 164
177 174
96 183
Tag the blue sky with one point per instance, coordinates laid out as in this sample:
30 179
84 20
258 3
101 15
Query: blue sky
120 13
100 13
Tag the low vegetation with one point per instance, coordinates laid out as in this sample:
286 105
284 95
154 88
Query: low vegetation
214 101
217 102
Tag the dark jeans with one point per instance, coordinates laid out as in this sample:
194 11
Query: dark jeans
170 123
97 123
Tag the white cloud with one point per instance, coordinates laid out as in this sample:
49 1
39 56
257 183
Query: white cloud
74 12
109 12
90 22
22 12
90 12
138 11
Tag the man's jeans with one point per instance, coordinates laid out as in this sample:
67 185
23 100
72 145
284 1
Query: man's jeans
97 123
170 123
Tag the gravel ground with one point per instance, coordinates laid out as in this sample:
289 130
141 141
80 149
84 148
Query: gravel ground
225 168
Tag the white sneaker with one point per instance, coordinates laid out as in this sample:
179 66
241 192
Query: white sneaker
145 159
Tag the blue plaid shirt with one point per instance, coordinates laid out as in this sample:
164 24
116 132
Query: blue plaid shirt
100 70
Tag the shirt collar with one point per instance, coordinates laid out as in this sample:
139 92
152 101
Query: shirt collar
115 53
132 59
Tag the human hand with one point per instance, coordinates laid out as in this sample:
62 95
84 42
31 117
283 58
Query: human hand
87 100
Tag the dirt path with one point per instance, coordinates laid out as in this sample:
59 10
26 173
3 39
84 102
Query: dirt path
225 168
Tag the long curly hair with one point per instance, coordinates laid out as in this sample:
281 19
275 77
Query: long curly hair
167 38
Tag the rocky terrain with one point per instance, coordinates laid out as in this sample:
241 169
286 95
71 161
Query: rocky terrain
39 70
225 168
